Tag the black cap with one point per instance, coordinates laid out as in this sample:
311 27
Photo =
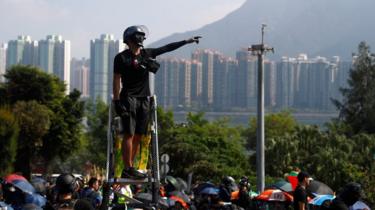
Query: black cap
302 175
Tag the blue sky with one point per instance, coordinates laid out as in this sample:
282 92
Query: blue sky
82 20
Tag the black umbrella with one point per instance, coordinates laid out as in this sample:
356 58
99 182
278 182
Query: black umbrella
282 185
320 188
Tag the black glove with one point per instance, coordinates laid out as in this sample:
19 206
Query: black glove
119 108
193 39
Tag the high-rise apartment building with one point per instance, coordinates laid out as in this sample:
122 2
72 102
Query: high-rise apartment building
206 57
321 83
286 82
167 82
54 57
196 83
23 50
342 76
102 54
302 81
246 80
224 69
80 76
269 83
3 54
184 94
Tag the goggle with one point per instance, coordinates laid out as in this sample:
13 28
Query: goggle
139 37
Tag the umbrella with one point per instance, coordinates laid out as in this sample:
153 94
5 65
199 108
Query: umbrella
20 182
319 188
24 186
11 177
283 185
201 186
274 195
318 200
359 205
182 184
39 185
36 199
210 191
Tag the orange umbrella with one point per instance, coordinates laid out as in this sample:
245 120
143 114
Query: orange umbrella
274 195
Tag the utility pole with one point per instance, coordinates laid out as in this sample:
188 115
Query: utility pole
260 50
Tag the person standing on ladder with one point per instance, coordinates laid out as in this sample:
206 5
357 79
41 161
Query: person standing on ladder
132 103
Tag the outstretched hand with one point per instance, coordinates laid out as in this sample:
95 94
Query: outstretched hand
194 39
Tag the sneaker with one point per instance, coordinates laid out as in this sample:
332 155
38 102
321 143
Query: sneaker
132 173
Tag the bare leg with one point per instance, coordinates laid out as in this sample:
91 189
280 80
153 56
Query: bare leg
136 143
127 150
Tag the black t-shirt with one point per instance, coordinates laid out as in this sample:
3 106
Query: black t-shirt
134 77
300 195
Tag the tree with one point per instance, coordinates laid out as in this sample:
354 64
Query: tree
277 124
8 140
65 134
97 122
358 106
34 122
208 149
28 83
165 124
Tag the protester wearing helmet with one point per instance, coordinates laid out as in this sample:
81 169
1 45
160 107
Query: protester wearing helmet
66 185
227 186
131 69
241 197
349 195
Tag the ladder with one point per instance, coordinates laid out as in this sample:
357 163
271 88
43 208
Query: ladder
153 178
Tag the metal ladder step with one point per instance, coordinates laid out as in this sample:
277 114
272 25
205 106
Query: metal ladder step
130 181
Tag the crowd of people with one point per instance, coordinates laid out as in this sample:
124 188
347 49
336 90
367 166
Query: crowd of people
66 192
69 192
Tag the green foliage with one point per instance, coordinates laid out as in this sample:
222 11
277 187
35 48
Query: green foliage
355 153
165 124
8 140
210 150
34 121
358 107
64 136
276 125
93 144
65 112
327 155
25 83
97 122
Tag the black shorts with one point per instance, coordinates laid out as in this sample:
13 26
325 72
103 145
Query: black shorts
136 118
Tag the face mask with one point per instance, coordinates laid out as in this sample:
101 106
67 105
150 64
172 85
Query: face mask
139 38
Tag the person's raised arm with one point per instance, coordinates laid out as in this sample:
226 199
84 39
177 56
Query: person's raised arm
173 46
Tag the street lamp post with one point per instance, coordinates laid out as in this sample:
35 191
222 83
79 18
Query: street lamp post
260 50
